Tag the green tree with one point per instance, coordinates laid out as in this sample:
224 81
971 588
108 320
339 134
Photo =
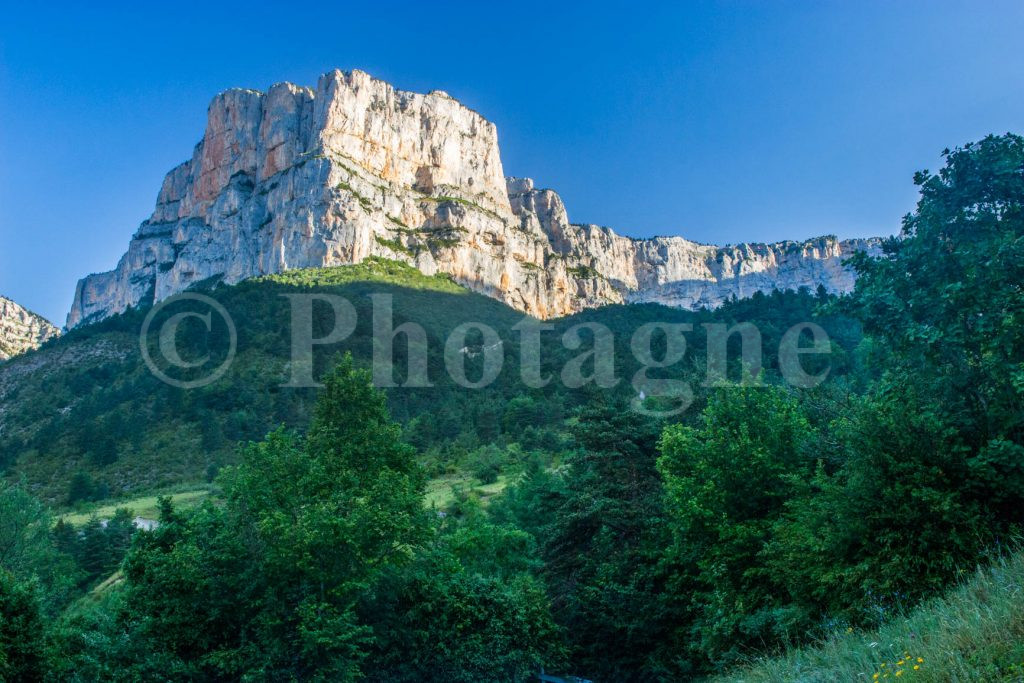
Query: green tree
22 634
533 501
87 643
945 300
27 549
889 526
602 549
268 583
66 538
466 609
81 488
485 463
727 480
94 549
100 546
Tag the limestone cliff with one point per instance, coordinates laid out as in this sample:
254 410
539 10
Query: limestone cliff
296 177
21 330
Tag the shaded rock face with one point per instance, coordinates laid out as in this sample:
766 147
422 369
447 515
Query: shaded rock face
21 330
298 177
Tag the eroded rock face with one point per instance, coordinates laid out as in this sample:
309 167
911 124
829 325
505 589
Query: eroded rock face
296 178
21 330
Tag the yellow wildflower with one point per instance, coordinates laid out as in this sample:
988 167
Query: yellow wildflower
920 660
916 667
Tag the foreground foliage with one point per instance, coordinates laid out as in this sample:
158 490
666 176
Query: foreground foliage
321 555
611 544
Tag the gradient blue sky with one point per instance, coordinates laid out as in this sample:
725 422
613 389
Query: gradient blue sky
719 121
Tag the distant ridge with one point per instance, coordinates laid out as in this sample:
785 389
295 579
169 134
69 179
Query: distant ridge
21 330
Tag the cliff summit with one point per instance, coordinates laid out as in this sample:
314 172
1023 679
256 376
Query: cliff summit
297 177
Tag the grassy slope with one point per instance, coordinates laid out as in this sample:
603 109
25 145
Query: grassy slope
143 506
974 633
440 493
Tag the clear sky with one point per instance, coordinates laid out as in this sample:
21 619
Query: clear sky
719 121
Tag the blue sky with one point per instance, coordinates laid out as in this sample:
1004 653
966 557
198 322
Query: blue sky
722 122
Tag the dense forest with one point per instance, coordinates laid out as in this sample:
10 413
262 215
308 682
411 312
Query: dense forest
618 539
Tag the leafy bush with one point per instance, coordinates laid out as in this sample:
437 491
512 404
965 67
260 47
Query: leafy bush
485 463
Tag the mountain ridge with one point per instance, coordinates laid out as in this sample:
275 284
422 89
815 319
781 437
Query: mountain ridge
21 330
299 177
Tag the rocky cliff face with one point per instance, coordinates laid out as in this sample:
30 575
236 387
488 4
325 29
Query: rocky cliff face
21 329
296 177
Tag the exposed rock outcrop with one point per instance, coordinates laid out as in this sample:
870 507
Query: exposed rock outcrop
21 330
297 177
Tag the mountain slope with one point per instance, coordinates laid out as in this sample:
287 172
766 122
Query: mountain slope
299 177
974 633
21 329
88 403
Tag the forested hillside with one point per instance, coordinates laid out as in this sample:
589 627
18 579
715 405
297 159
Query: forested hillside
87 409
620 544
